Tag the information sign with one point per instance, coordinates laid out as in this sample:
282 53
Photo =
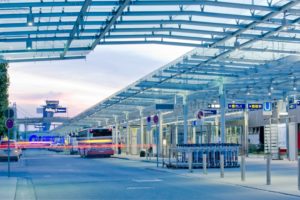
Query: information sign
155 119
236 106
255 106
164 106
9 123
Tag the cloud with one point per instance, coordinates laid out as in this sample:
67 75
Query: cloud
79 84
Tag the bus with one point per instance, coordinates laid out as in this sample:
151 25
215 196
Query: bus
95 142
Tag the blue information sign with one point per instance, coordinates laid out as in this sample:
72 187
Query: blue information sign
164 106
268 106
61 110
194 123
236 106
255 106
210 112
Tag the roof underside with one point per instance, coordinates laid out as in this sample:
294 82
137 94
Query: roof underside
249 46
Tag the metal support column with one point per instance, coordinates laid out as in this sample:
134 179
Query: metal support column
246 131
15 129
223 107
287 120
194 135
141 129
127 133
160 133
116 138
176 131
185 120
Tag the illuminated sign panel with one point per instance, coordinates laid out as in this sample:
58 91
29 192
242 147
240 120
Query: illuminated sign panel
236 106
255 106
213 105
56 110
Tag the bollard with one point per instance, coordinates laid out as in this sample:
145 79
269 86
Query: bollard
204 164
269 157
298 173
222 165
243 168
191 162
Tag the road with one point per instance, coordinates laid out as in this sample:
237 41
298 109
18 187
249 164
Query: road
47 175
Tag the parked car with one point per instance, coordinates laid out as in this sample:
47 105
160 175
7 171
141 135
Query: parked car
15 151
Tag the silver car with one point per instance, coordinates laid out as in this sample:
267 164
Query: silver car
15 151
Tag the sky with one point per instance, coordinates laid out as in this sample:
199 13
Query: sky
80 84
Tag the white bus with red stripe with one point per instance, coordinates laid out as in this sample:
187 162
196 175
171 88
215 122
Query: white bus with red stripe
95 142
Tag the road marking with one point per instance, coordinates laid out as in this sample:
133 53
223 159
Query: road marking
146 180
139 188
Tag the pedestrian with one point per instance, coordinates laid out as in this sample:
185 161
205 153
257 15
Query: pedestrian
150 150
119 148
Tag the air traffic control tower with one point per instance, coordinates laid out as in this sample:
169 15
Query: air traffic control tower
48 110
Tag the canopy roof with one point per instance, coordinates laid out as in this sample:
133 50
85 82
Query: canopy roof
250 47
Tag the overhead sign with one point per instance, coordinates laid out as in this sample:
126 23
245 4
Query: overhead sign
213 105
255 106
56 110
292 106
267 108
164 106
210 112
61 110
236 106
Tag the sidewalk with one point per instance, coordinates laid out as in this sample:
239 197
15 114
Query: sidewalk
284 174
138 158
8 188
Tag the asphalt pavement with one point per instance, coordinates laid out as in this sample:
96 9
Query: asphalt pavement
47 175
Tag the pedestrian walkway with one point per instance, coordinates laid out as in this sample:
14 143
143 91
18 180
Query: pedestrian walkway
284 174
8 188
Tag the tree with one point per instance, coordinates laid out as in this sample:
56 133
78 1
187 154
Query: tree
4 83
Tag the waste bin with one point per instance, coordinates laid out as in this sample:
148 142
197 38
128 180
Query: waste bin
282 153
142 153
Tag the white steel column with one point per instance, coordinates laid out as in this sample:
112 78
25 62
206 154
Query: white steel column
116 139
116 136
246 130
185 120
141 128
176 131
15 128
160 132
223 107
127 133
287 120
194 135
